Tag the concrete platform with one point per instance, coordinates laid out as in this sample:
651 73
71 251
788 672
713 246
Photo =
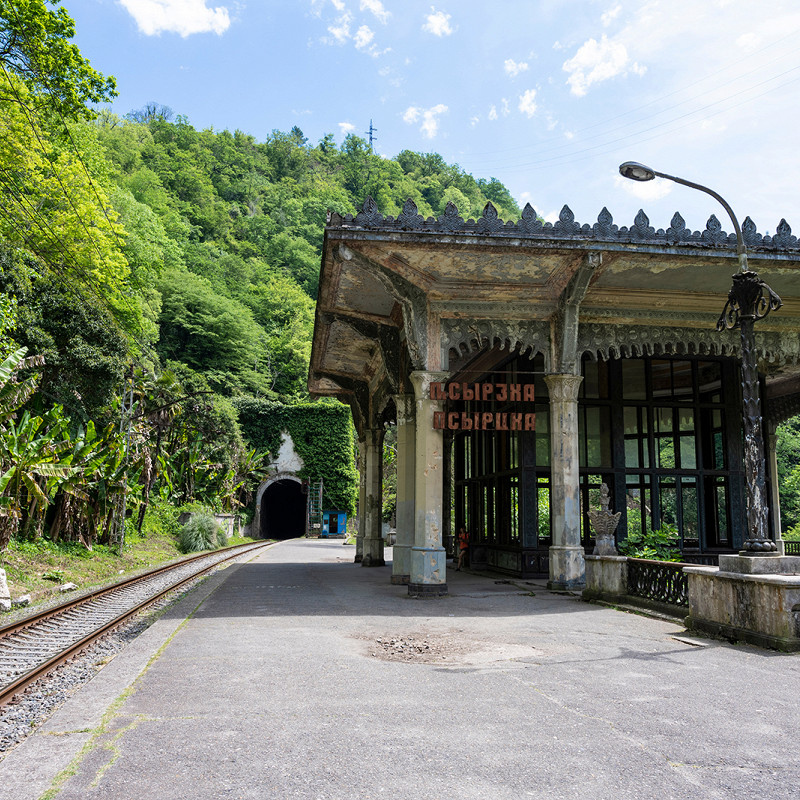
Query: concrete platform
302 675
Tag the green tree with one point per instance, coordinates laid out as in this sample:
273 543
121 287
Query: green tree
35 46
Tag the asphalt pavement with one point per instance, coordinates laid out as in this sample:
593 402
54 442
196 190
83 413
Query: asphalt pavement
299 674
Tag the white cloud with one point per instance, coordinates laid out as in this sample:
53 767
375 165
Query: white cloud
527 103
428 116
493 112
346 127
611 14
341 28
363 37
514 68
504 107
644 190
183 17
376 7
596 62
437 23
473 121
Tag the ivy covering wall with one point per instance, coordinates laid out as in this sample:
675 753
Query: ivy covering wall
323 438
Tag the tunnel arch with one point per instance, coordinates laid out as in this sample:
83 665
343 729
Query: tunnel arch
280 507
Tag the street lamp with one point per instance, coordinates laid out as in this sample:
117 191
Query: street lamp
749 300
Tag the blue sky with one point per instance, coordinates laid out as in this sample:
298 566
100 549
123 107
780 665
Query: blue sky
548 96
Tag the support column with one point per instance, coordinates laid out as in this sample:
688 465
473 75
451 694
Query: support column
362 500
428 560
406 448
567 566
373 541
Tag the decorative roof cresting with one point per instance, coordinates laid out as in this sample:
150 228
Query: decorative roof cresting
531 226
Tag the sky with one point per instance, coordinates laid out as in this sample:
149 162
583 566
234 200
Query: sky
547 96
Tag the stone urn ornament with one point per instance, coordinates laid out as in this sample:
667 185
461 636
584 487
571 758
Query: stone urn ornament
604 525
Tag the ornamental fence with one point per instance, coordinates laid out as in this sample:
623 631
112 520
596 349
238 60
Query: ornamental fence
791 548
661 581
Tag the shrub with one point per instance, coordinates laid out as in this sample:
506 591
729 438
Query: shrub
201 532
660 544
222 538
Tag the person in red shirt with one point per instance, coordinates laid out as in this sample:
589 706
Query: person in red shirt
463 545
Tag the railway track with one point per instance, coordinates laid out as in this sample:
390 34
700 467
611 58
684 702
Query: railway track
36 645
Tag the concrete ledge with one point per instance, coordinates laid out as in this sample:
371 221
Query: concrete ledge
427 590
769 564
762 609
733 634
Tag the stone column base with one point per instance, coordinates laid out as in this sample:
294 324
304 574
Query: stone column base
427 590
373 553
401 563
357 559
567 568
428 572
400 580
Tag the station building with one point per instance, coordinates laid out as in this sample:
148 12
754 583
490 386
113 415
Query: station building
527 363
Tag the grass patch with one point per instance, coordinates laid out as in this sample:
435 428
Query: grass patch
38 568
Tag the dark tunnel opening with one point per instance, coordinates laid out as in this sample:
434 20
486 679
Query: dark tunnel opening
283 511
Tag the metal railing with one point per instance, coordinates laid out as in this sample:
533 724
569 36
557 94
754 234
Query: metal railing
791 548
661 581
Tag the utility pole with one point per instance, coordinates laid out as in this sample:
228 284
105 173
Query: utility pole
371 133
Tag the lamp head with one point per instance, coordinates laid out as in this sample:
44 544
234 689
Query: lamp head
636 171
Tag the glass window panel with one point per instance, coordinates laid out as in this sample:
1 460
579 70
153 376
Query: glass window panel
634 386
721 494
687 438
665 443
638 503
597 434
719 451
632 437
468 457
668 502
542 436
661 376
688 451
513 450
709 377
689 507
682 386
543 510
514 511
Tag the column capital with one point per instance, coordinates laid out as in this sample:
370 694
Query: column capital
406 408
422 380
563 387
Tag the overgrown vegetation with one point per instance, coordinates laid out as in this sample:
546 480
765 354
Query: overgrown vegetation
660 544
157 288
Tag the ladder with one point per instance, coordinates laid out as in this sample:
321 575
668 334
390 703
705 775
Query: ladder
315 508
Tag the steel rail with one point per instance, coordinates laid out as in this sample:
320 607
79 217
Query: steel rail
9 691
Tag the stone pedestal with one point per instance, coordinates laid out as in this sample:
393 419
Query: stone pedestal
428 559
606 578
373 541
753 599
406 447
567 567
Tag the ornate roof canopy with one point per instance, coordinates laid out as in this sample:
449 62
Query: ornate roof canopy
402 293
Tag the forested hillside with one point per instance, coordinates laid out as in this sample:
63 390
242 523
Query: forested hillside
152 277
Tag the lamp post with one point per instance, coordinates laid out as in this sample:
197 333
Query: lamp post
749 300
